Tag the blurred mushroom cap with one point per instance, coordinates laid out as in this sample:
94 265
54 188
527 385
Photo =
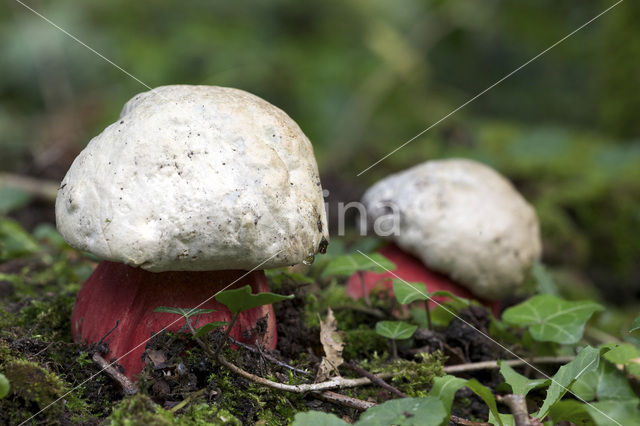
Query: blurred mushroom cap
463 219
196 178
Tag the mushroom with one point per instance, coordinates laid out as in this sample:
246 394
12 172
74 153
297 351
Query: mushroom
188 190
460 225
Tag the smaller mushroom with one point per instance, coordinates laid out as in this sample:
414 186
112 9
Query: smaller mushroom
461 227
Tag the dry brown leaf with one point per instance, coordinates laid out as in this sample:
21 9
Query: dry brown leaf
332 344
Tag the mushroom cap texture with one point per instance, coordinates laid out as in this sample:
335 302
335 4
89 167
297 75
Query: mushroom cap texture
196 178
463 219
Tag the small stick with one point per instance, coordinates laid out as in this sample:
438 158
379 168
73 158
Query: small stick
374 379
461 421
491 365
268 356
226 335
518 406
188 399
128 386
43 189
344 400
364 289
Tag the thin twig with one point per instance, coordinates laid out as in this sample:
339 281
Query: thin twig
518 406
268 356
375 379
187 400
460 421
344 400
128 386
226 335
43 189
335 383
491 365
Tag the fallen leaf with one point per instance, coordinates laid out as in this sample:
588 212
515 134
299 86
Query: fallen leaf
332 344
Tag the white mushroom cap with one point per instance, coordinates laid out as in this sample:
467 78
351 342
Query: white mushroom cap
463 219
196 178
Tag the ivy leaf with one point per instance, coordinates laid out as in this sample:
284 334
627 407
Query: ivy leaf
205 329
586 361
446 387
349 264
520 385
607 382
457 302
622 412
396 330
636 324
426 411
621 353
4 386
545 282
317 418
241 299
551 319
406 292
185 312
571 411
487 396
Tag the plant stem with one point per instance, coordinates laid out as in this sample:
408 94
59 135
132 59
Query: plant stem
225 339
428 313
364 289
394 349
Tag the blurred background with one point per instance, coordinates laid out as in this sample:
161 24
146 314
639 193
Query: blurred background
360 77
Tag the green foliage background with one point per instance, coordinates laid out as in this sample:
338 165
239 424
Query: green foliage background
362 77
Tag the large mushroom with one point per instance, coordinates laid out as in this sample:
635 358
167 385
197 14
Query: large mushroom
456 225
190 188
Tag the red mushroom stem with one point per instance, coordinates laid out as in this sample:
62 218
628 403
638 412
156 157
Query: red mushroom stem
118 293
410 269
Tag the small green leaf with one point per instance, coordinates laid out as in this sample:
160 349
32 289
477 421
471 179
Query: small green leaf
15 241
570 410
427 411
636 324
586 361
487 396
406 292
545 282
446 387
520 385
456 302
621 353
607 382
241 299
185 312
551 319
396 330
12 199
4 386
606 413
317 418
349 264
506 419
205 329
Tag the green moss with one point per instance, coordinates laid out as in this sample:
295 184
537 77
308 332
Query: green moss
361 342
139 410
411 377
